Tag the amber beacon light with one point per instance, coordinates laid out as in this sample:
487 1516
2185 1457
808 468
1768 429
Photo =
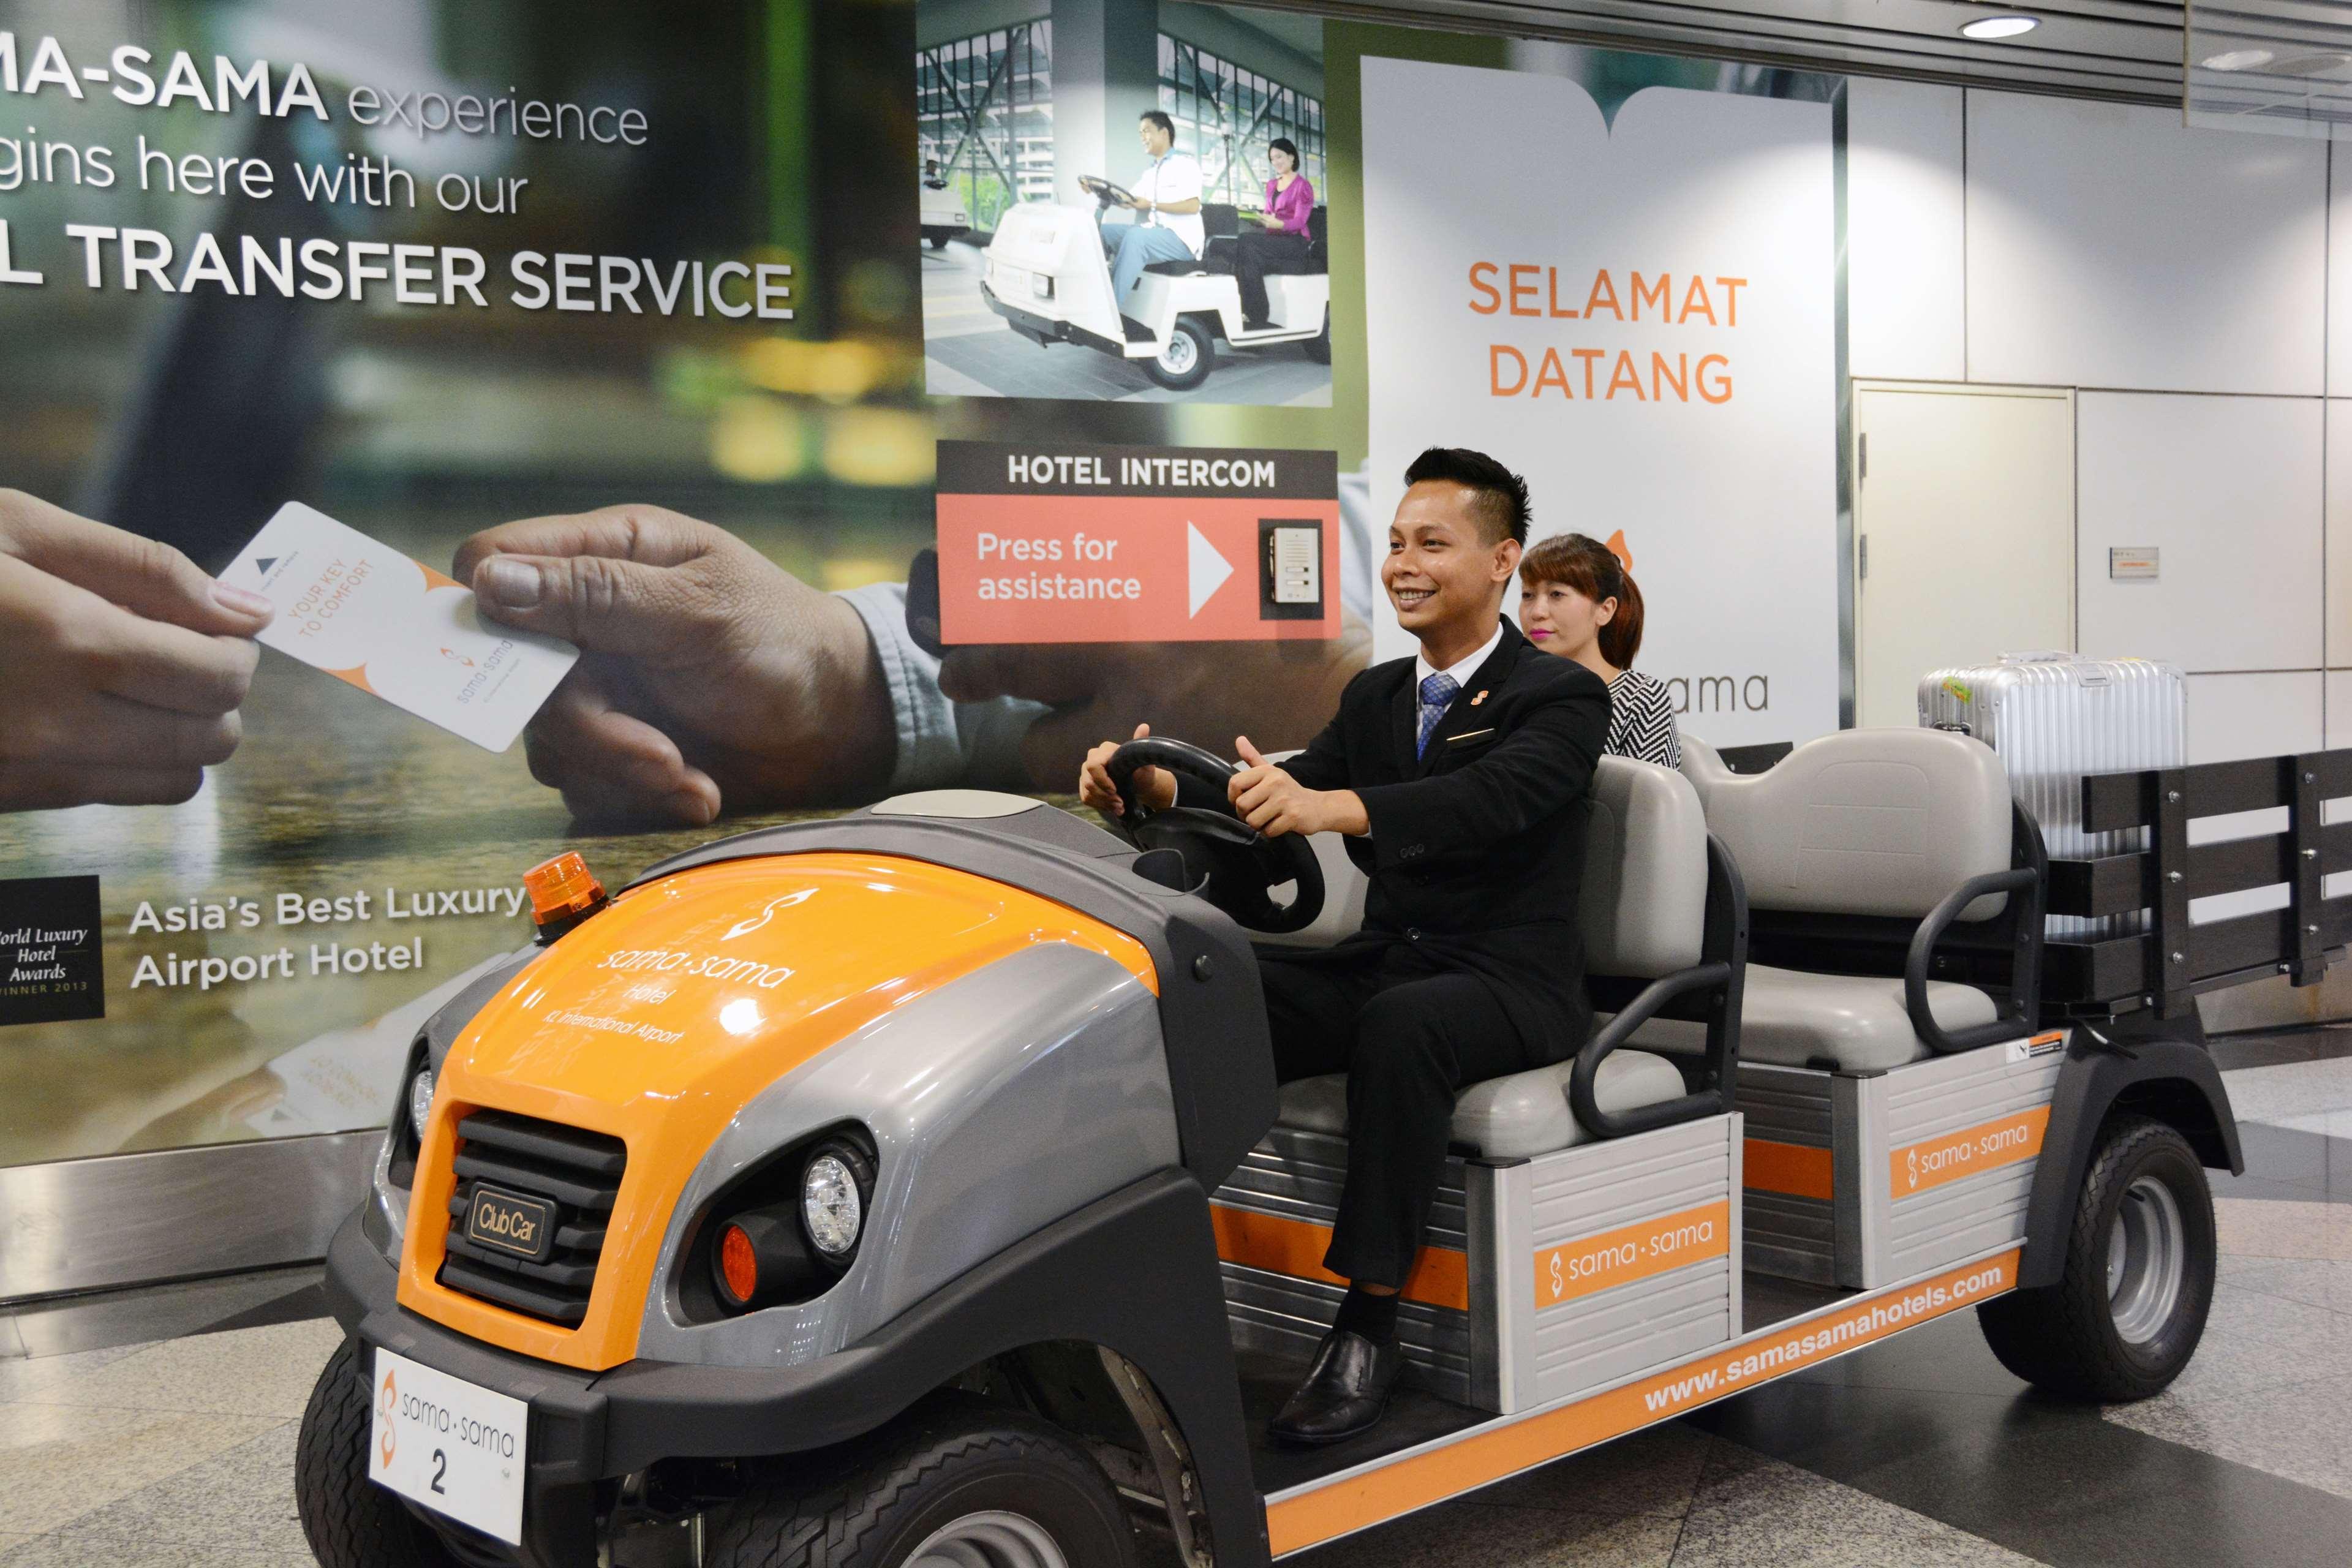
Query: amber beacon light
563 892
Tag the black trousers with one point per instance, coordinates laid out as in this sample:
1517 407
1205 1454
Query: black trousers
1410 1036
1257 253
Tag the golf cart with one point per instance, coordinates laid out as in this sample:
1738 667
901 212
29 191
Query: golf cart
1047 275
943 218
913 1187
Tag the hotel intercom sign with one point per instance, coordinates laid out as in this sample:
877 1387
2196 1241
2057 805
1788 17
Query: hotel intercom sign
51 966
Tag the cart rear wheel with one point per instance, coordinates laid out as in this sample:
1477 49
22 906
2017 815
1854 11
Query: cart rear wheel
958 1484
350 1522
1318 347
1185 360
2129 1310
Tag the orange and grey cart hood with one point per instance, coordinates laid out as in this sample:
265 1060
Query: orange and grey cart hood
1004 1012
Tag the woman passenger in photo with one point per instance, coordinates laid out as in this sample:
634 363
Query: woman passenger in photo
1281 244
1577 600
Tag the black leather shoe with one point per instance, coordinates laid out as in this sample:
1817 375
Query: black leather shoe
1346 1393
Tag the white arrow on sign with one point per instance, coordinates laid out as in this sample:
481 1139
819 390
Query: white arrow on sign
1208 569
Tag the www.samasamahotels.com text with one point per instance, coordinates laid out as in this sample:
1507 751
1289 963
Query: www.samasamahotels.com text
1794 1350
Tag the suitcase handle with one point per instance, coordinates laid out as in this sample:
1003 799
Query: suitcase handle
1954 729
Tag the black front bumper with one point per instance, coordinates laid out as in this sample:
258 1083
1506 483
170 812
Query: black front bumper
1136 1271
588 1426
1044 331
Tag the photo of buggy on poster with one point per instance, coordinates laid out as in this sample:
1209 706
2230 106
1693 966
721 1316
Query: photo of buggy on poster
1123 200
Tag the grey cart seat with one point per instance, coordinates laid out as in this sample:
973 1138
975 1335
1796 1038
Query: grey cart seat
1846 845
1643 914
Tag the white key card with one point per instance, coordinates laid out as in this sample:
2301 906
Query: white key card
362 611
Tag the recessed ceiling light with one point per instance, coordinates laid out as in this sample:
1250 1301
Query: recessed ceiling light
2325 62
1986 27
2239 60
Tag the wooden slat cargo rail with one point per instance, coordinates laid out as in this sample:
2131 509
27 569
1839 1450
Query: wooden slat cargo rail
2173 960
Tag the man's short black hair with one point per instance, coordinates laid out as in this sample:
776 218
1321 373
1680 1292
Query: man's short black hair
1158 117
1502 495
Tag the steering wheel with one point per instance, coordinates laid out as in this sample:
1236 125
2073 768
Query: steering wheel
1109 195
1241 866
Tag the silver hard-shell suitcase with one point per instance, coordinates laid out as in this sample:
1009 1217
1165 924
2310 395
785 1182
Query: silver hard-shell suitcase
2055 717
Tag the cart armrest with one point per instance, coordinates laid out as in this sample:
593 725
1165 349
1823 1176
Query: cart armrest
2017 879
1617 1032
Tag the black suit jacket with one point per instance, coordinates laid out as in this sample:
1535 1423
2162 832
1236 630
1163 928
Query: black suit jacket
1477 847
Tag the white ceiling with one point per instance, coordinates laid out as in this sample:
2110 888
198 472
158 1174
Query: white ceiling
2128 49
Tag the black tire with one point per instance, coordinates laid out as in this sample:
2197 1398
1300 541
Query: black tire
1318 347
350 1522
872 1504
2067 1338
936 241
1192 363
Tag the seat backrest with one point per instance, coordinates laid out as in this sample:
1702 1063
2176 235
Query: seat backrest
1701 764
1642 908
1867 821
1220 219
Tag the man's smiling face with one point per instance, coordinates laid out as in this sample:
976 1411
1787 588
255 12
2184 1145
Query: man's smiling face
1441 567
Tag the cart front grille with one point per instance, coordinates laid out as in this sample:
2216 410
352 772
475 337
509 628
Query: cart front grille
577 1173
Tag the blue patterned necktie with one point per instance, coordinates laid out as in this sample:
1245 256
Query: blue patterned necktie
1437 694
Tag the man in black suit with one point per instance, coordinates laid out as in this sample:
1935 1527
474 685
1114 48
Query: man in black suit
1462 778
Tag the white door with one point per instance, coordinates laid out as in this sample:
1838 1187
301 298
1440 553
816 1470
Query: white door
1964 534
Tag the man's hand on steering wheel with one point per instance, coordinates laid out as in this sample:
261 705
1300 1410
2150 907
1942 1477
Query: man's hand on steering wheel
1230 863
1156 785
1273 803
1106 192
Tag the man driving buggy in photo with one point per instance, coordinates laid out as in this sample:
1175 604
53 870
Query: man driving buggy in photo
1461 778
1167 203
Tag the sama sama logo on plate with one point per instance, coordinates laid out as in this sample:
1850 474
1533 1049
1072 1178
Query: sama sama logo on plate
511 1223
51 958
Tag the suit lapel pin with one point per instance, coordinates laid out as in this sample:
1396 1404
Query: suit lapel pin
1478 700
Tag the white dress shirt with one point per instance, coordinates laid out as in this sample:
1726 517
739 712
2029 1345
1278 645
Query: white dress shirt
1175 177
1461 671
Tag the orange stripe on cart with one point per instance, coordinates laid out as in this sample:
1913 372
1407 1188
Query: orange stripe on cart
1788 1168
1295 1248
1379 1492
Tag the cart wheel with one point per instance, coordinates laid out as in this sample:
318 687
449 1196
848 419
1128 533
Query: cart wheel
957 1484
2130 1308
936 241
1318 347
1184 362
350 1522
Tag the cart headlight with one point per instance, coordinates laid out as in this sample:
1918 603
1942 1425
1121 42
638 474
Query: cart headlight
830 1206
798 1228
420 1100
1041 286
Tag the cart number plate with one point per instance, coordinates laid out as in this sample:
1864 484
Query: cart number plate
448 1445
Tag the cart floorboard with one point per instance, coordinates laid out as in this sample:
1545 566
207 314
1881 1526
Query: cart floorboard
1416 1417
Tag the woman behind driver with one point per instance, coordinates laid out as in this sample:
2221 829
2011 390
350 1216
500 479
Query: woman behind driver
1282 245
1578 601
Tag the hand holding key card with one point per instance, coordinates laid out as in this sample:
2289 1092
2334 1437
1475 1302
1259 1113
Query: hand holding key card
709 675
367 613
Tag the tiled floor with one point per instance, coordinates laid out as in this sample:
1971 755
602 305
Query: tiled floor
157 1427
